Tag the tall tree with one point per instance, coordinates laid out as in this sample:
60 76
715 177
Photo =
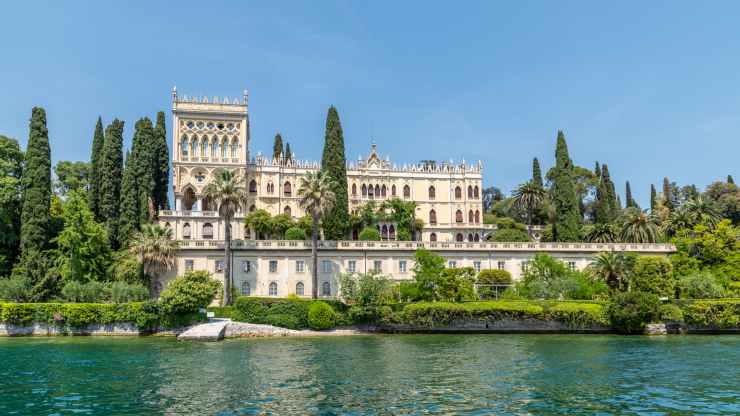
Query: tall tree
161 158
156 251
603 213
628 196
277 147
228 192
11 194
653 198
529 197
110 181
537 174
614 205
138 182
96 158
730 180
597 170
71 176
334 164
35 215
288 152
567 226
317 198
667 193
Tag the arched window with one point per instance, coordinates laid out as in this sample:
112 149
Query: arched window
272 289
252 208
393 190
470 192
286 210
476 238
432 192
364 190
470 237
477 216
391 232
475 192
246 289
458 216
458 192
188 199
204 146
252 186
184 147
377 190
287 190
325 289
270 187
383 191
459 237
471 216
406 192
370 192
214 148
207 231
433 237
234 149
186 231
299 288
433 217
384 232
354 189
194 147
224 148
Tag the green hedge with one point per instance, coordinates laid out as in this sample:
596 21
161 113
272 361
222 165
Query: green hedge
275 311
722 314
575 314
146 315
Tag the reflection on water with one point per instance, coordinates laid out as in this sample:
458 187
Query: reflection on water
399 374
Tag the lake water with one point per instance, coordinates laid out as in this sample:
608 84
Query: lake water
384 374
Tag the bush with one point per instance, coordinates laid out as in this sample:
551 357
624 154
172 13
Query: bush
257 310
629 312
700 285
295 233
122 292
283 320
509 235
403 235
488 279
17 288
670 313
367 288
410 292
189 292
456 285
713 313
90 292
653 274
321 316
369 234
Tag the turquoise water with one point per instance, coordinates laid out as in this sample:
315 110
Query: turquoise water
386 374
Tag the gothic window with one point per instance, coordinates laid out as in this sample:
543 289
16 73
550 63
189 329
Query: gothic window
393 190
246 290
270 188
252 208
325 289
470 192
370 192
287 189
194 147
458 192
432 192
459 238
391 232
184 147
299 288
377 190
458 216
471 217
186 231
475 192
354 189
272 290
470 237
234 149
252 186
433 237
432 217
207 231
384 232
286 211
224 148
364 190
406 192
383 191
476 238
204 147
214 148
477 216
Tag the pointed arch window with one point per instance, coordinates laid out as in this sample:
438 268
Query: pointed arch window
224 148
184 147
354 189
477 216
433 237
214 148
287 189
471 216
406 192
432 192
207 231
377 190
204 146
186 231
299 288
364 190
433 217
391 232
383 191
252 186
476 194
194 147
393 190
458 216
286 210
470 192
458 192
459 238
234 150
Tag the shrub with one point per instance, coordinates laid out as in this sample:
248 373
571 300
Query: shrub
369 234
700 285
629 312
670 313
488 279
189 292
256 310
509 235
122 292
295 233
367 288
653 274
283 320
713 313
17 288
409 292
579 315
321 316
456 284
403 235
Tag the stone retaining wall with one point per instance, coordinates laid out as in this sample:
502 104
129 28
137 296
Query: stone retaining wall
44 329
533 326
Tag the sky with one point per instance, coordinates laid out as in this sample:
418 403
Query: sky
650 88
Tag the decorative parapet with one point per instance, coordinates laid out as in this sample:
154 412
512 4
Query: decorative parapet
214 100
434 246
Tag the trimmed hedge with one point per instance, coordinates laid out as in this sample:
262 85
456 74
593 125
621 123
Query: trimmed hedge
321 316
722 314
289 313
145 315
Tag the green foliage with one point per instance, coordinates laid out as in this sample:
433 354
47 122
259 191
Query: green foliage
305 223
629 312
71 176
614 269
84 253
161 160
725 198
537 174
295 233
260 221
713 313
366 289
717 250
334 164
428 267
548 278
321 316
95 178
122 292
403 235
639 227
670 313
260 310
280 224
17 289
369 234
36 180
410 292
700 285
277 147
116 292
654 274
189 292
456 285
11 193
509 235
490 282
563 195
111 173
125 267
137 188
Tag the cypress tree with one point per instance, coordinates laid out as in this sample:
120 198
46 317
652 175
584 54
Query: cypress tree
730 180
667 194
36 180
536 173
597 170
277 147
653 198
334 164
628 196
288 153
565 200
138 182
110 181
162 164
611 196
95 161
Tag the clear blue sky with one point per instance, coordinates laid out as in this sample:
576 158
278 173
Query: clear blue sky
651 88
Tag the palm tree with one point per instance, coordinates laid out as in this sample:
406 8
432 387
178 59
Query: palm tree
317 198
228 192
529 197
679 219
601 233
639 227
155 249
613 268
702 212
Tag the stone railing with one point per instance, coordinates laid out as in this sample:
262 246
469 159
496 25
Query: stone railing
435 246
183 213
